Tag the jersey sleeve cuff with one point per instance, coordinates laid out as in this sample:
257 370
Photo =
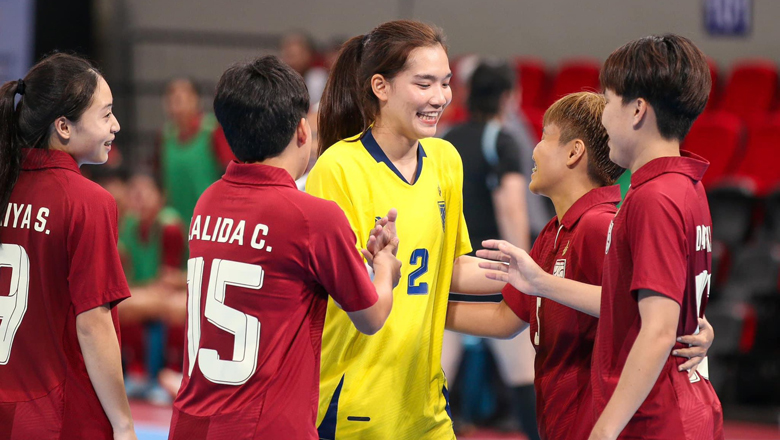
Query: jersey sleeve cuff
112 297
514 299
675 294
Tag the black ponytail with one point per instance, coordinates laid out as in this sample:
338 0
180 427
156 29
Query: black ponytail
341 112
10 147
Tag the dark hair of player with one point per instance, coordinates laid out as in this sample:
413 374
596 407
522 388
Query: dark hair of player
669 71
59 85
488 85
259 105
578 116
348 104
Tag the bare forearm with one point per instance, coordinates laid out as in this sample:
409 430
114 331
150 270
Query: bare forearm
585 298
469 278
100 348
492 320
641 371
383 282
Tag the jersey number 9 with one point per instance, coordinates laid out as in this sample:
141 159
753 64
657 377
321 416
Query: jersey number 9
13 306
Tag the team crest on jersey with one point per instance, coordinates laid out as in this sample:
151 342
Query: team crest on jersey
443 213
609 234
560 268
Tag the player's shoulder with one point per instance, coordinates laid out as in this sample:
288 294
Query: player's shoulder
598 217
443 153
342 153
81 191
439 148
342 159
312 208
673 186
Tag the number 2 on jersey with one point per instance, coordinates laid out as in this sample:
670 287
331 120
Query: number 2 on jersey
420 255
14 306
245 328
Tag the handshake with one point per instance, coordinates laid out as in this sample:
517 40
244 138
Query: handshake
382 247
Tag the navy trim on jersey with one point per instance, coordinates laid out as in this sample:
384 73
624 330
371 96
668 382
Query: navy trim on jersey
327 428
446 394
376 152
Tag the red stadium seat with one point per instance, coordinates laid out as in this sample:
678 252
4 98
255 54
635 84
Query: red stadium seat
751 90
535 119
715 94
532 82
762 154
716 136
576 76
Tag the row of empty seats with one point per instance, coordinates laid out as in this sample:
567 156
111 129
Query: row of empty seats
738 133
751 88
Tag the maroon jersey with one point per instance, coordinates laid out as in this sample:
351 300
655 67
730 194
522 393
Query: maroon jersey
563 337
660 240
59 257
263 258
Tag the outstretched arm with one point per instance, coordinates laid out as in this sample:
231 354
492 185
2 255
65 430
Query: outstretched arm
491 320
469 277
515 266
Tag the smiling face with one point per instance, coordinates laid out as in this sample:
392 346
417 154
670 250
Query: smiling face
549 162
91 136
417 96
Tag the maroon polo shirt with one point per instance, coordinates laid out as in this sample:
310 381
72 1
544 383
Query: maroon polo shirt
563 337
660 240
58 258
264 256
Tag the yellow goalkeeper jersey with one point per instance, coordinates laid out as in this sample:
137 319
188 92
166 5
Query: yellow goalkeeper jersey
390 385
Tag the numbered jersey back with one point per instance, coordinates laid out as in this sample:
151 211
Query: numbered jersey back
263 258
659 241
58 258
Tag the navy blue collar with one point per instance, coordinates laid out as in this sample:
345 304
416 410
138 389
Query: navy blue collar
376 152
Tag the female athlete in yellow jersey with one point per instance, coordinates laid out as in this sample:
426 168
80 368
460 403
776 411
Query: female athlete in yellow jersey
378 114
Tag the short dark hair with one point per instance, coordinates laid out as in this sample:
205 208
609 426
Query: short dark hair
669 71
489 82
259 105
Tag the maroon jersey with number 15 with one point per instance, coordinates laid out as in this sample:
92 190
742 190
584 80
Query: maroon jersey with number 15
263 259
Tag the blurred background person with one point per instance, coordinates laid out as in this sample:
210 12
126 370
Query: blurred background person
153 244
299 51
494 204
192 152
